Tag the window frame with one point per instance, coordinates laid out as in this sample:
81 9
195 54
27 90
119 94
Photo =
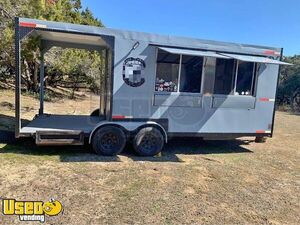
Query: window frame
256 66
179 73
179 77
202 75
233 77
235 71
254 78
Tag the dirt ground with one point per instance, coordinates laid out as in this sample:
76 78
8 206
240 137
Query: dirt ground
84 104
192 182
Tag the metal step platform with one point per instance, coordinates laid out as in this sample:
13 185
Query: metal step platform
59 138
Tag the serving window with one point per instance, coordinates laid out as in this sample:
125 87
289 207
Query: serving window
181 71
178 73
235 77
224 76
167 72
245 78
190 74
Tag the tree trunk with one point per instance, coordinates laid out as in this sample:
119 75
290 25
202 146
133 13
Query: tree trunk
295 102
35 77
292 103
29 82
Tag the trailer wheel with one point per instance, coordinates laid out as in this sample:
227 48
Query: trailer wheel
109 141
149 141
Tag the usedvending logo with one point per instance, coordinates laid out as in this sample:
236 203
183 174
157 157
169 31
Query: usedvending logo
133 72
31 210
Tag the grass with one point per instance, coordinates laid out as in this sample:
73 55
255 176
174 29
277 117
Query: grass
191 182
84 104
242 182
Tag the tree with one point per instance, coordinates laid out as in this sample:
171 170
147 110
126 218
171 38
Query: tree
56 10
289 84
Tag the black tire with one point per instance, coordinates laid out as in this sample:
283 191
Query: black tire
7 137
149 141
109 141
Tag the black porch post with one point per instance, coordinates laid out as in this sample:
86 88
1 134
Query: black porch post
18 79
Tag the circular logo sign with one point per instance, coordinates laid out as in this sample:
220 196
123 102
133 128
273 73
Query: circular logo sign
133 72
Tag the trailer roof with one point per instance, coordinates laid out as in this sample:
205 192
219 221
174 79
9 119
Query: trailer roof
154 39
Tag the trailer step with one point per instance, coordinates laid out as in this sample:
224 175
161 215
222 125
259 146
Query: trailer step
59 138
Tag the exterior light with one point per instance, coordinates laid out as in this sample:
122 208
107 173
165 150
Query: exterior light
136 45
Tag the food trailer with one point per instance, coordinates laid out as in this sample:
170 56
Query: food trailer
156 87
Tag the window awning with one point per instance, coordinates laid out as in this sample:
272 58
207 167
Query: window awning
193 52
258 59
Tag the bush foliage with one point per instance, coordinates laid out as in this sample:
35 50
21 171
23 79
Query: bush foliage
62 66
289 84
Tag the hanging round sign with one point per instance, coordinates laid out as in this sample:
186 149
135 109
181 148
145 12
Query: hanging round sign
133 72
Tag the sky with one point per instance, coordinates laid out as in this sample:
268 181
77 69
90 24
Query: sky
273 23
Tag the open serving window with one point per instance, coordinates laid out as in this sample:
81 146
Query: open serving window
236 80
184 72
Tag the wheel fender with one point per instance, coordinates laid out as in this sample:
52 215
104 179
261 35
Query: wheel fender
154 124
103 124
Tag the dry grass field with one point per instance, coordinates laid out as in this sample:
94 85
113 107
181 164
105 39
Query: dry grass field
84 104
192 182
